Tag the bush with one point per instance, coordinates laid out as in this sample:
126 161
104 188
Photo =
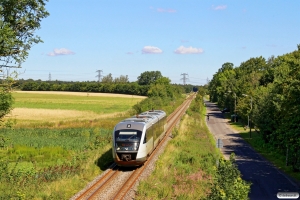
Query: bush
228 183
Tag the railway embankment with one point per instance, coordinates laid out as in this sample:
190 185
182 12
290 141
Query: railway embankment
188 169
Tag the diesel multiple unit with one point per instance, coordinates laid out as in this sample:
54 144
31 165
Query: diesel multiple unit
135 138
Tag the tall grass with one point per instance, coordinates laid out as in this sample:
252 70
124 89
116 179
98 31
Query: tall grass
186 168
33 158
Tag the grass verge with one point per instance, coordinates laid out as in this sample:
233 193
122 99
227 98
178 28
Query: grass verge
187 169
38 164
184 170
268 152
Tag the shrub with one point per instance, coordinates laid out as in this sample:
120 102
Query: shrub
228 183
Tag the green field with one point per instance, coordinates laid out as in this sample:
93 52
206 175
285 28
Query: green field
58 140
65 110
97 104
46 159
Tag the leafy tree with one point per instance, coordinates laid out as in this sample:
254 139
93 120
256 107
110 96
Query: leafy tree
6 100
122 79
228 183
149 77
18 21
223 81
107 79
162 88
285 93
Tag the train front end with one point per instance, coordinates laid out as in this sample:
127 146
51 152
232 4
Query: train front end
127 148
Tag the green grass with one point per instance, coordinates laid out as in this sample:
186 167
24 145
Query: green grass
268 152
71 102
44 160
50 145
185 169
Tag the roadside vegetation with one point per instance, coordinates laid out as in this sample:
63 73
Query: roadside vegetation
187 169
266 90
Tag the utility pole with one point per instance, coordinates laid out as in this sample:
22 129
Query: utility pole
99 75
184 78
49 77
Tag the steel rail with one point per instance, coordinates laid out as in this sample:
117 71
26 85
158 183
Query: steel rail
134 176
101 181
102 186
178 108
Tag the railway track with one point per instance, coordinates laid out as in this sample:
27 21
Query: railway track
116 182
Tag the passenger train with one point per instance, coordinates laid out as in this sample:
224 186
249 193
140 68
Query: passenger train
135 138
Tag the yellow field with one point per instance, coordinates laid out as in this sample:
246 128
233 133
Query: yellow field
84 94
25 114
34 114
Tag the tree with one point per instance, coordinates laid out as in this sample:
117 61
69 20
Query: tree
148 77
122 79
107 79
228 183
223 81
18 21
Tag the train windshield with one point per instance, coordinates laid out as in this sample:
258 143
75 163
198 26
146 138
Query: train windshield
128 135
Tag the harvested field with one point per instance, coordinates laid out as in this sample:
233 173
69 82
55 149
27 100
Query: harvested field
34 114
42 107
84 94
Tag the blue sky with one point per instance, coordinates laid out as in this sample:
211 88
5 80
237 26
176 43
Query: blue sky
173 37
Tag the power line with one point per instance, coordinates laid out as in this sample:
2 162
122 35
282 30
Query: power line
184 78
99 75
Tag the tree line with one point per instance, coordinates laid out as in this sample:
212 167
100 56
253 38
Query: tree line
149 83
131 88
268 92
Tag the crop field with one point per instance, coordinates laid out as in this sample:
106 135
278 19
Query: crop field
60 139
53 107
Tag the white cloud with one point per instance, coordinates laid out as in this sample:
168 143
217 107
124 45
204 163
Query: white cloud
220 7
188 50
151 50
61 51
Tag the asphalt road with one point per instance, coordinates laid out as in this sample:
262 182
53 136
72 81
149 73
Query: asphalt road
266 180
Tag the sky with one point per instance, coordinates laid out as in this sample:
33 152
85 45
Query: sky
171 36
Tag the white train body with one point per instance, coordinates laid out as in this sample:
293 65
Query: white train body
135 138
